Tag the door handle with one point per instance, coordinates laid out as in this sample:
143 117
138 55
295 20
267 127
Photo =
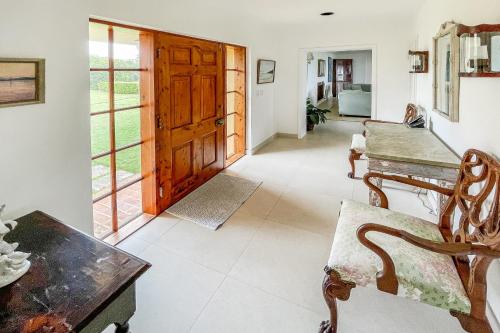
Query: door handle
220 122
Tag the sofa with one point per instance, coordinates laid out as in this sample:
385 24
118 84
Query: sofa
356 100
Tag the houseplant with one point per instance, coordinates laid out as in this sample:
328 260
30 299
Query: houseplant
314 115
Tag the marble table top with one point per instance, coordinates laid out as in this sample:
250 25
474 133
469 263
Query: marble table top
396 142
72 278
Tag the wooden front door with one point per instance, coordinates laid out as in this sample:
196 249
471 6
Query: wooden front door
190 104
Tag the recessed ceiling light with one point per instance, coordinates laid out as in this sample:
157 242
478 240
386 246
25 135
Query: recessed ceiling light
327 13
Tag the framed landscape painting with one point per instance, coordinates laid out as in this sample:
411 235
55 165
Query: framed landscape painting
265 71
22 81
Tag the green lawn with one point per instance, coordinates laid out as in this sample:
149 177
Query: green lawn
127 129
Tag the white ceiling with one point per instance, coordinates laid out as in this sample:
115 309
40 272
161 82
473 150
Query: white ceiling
301 11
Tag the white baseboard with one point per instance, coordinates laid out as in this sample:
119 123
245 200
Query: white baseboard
287 135
269 140
264 143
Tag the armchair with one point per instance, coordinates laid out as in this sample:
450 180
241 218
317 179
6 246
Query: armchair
417 259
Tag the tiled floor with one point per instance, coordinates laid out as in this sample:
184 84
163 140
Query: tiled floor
262 271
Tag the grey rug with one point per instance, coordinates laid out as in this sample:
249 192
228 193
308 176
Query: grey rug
214 202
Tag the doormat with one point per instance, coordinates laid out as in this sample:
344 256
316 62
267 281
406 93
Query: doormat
213 203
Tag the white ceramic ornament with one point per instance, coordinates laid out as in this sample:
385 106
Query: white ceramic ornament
13 264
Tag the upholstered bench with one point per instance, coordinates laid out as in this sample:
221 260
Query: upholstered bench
358 148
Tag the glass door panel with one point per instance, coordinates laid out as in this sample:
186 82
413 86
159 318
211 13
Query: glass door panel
235 102
115 111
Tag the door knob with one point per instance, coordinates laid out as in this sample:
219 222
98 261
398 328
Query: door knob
219 122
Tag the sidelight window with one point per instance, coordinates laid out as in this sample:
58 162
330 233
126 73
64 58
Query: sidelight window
115 117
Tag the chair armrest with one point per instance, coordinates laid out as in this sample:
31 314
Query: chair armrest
386 279
384 203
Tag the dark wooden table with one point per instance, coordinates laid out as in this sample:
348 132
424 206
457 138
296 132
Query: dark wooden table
75 284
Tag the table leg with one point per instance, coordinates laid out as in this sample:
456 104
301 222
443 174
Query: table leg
442 199
122 328
374 199
118 313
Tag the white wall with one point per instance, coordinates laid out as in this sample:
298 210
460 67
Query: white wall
45 149
391 68
479 117
479 124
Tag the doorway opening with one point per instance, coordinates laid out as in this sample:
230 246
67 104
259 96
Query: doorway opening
121 106
340 81
346 76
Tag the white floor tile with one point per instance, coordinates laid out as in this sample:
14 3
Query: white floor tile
133 245
218 249
307 210
172 294
369 310
263 200
286 262
330 182
240 308
156 228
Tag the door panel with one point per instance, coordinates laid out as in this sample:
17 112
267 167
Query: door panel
208 96
183 162
182 113
208 57
190 86
180 55
209 146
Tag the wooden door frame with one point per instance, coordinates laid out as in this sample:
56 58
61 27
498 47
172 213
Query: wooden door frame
152 133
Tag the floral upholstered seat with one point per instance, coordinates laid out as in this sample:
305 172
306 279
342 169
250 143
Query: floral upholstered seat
423 275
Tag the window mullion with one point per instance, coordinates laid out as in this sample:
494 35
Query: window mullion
112 134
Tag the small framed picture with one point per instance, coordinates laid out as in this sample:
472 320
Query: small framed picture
265 71
321 67
22 81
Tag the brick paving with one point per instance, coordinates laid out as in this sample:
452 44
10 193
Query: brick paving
129 202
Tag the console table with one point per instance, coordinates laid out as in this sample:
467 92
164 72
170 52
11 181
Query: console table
395 148
75 284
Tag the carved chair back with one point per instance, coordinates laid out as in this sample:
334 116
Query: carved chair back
476 201
410 113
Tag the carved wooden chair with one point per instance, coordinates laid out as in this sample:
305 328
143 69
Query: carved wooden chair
358 145
417 259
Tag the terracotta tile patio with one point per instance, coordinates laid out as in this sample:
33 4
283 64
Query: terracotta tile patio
129 207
